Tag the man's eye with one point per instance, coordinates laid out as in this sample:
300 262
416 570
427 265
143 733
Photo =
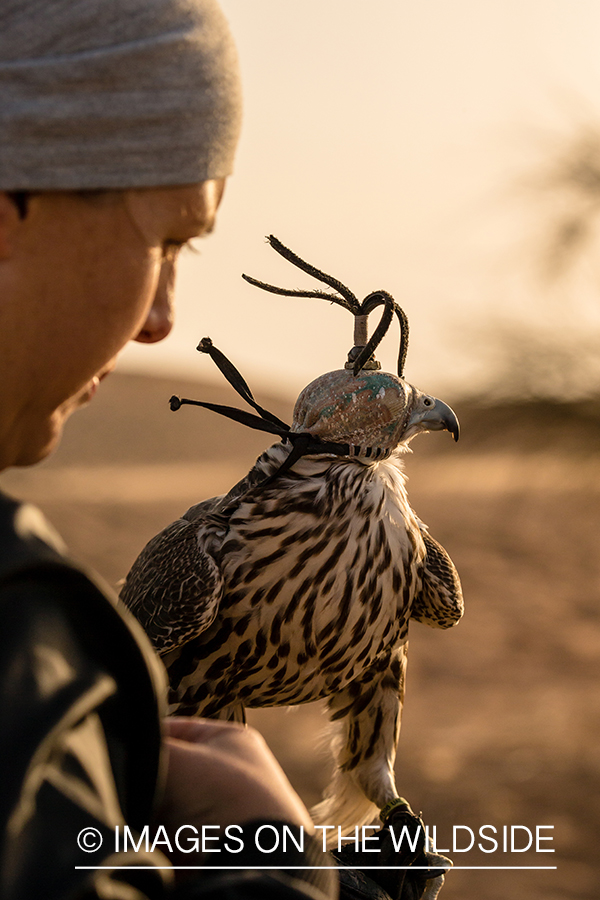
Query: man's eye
171 249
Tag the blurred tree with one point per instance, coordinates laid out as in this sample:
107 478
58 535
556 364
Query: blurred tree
526 362
544 342
570 186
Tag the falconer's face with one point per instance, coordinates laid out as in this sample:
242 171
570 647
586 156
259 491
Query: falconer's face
81 276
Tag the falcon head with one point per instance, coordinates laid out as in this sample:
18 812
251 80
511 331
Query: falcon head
371 409
361 405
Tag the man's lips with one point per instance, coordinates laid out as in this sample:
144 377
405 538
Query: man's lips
89 391
106 372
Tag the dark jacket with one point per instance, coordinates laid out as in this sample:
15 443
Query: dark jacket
81 699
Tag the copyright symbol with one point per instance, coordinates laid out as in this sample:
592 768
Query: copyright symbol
89 840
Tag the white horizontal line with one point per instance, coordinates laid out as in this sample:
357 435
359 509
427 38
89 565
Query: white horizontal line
313 868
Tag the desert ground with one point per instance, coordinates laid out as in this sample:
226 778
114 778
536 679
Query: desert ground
502 717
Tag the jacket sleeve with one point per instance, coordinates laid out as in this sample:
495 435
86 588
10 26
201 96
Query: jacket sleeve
79 755
64 745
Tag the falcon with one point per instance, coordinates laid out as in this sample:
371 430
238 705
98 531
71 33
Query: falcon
299 584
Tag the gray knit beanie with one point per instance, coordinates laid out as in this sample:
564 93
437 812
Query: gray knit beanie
115 94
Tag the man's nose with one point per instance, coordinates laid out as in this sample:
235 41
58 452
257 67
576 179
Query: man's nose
159 320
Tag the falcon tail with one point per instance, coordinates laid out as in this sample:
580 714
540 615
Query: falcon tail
346 806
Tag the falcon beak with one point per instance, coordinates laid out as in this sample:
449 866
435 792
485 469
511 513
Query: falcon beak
436 417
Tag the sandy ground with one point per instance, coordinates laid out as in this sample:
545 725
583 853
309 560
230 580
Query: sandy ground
502 719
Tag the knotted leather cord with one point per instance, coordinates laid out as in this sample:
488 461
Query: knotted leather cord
378 298
344 297
303 442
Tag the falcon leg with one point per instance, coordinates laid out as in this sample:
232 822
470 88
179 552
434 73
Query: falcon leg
369 711
233 713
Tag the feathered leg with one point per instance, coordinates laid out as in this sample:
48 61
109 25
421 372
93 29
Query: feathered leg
369 711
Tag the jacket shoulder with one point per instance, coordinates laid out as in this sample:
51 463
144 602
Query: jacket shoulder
26 538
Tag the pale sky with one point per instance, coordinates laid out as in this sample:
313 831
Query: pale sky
385 142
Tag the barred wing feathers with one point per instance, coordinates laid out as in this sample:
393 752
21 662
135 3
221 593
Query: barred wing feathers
439 604
174 587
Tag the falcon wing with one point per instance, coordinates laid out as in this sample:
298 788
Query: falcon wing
219 509
173 588
440 601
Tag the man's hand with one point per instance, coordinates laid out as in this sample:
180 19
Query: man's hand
222 773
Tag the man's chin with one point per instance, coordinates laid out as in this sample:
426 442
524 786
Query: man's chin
47 435
45 444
